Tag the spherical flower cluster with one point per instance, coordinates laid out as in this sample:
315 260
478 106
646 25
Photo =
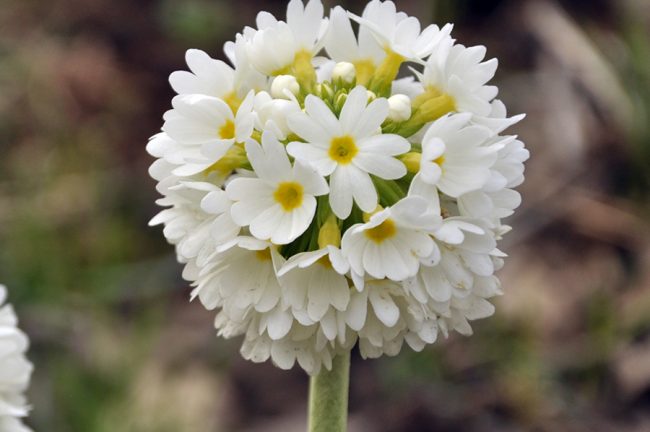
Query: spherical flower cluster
317 201
15 370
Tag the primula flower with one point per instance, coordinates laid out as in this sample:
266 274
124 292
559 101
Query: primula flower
320 203
280 204
348 148
15 369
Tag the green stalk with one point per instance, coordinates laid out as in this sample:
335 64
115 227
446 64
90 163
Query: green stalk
328 397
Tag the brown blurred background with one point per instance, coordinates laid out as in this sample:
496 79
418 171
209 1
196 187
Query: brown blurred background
117 346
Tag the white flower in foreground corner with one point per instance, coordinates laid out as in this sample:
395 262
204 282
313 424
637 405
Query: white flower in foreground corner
15 369
280 204
348 148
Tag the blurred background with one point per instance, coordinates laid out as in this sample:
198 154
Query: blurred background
117 345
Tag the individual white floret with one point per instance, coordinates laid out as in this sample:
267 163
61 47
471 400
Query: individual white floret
280 203
348 148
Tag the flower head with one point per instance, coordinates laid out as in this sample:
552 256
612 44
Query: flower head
318 202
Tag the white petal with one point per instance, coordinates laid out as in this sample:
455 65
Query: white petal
384 307
385 167
321 113
363 190
341 193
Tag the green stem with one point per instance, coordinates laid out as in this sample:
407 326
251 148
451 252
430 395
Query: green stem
328 397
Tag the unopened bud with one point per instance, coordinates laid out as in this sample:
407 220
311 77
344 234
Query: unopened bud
329 234
399 108
283 83
344 71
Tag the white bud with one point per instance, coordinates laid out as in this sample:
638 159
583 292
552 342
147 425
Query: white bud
283 83
273 113
399 107
344 71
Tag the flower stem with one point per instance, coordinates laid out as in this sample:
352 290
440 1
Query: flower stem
328 397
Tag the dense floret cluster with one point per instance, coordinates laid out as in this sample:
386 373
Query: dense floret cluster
318 201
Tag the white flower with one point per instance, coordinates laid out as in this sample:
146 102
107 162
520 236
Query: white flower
196 230
206 128
348 148
304 345
497 120
400 33
319 202
208 76
246 76
399 107
456 288
285 86
461 73
342 45
15 369
453 155
273 47
241 279
394 241
278 205
315 282
344 71
272 114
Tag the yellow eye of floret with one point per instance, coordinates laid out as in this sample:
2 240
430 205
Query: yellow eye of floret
289 195
343 149
381 232
227 130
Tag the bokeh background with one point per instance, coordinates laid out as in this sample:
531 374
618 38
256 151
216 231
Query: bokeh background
117 345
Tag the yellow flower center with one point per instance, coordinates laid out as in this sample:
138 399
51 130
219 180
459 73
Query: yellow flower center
381 232
232 101
289 195
325 262
343 149
227 130
263 255
439 160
